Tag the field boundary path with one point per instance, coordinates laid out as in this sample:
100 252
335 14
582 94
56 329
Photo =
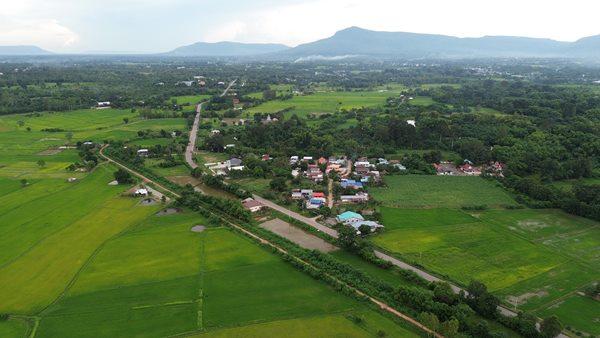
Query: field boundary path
189 150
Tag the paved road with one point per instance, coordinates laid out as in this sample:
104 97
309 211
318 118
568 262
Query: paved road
189 150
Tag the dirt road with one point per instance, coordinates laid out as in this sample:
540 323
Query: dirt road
189 150
135 173
330 194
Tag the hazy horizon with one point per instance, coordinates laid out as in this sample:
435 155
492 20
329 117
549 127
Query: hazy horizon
136 26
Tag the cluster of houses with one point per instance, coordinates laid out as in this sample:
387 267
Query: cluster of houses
312 199
314 172
223 168
468 169
356 220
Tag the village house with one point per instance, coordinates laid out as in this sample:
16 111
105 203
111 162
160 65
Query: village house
355 220
294 159
351 184
231 145
215 132
322 160
371 224
314 173
103 104
411 123
360 197
307 158
470 170
143 152
295 173
140 192
296 194
445 168
252 205
266 157
349 217
496 169
335 167
315 202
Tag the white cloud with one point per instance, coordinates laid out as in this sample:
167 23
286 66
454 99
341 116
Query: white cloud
46 33
316 19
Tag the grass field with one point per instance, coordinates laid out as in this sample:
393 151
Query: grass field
158 278
527 257
45 241
421 191
586 308
323 102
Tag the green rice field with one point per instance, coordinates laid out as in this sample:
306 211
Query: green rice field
530 258
323 102
424 191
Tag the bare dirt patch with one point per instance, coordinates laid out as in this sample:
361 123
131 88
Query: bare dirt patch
520 300
148 201
532 225
50 151
198 228
168 211
297 236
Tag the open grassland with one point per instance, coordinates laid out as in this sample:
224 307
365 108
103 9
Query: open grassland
421 191
579 312
323 102
530 258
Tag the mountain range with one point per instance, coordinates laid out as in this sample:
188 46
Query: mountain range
22 50
227 48
355 41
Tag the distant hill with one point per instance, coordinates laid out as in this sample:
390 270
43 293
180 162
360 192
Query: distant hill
363 42
227 49
23 50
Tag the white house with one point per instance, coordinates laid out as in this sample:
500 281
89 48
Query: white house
143 152
252 205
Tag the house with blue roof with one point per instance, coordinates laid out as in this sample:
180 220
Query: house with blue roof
345 183
349 217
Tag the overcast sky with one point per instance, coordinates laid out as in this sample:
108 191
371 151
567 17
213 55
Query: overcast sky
161 25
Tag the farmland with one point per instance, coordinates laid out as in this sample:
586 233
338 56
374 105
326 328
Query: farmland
80 259
527 257
323 102
413 191
173 281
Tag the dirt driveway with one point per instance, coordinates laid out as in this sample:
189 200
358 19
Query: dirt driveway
297 236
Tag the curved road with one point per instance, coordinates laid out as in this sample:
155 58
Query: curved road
189 150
